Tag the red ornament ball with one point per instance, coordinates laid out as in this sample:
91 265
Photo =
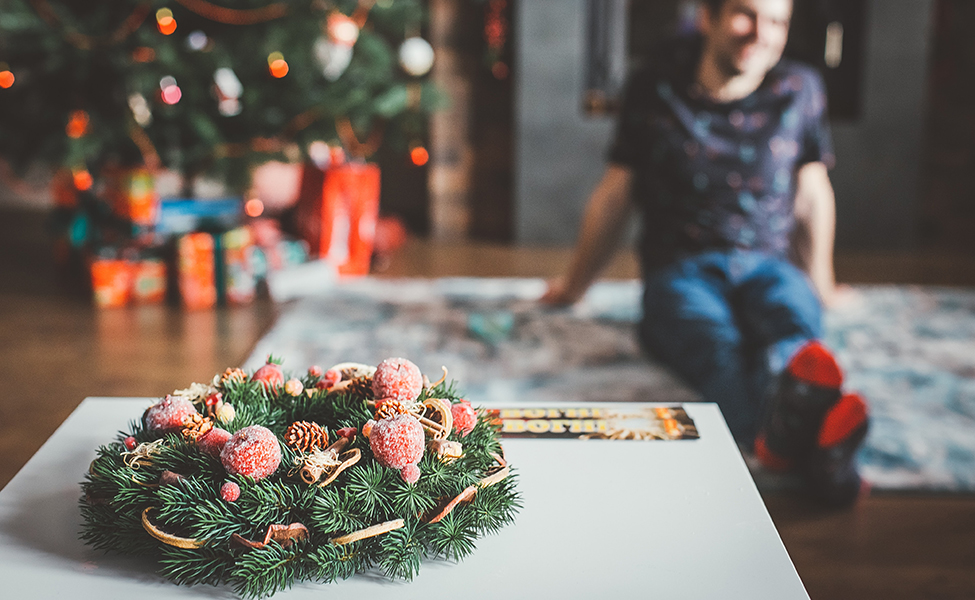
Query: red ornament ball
168 414
270 375
213 441
397 441
397 378
230 491
130 443
465 417
253 451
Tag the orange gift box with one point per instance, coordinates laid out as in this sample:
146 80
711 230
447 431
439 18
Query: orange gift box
196 270
111 282
149 281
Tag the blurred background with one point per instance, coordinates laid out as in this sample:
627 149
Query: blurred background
171 169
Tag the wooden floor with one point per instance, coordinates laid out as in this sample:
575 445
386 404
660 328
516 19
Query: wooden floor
55 349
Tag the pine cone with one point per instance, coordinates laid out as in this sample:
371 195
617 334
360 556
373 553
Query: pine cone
194 426
234 376
360 387
305 436
392 407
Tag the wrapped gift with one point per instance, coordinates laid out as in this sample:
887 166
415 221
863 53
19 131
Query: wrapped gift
196 270
337 214
132 195
239 280
148 280
111 281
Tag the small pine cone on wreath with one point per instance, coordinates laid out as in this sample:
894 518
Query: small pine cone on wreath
360 387
304 436
391 407
194 426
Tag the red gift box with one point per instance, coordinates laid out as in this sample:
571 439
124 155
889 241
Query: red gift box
337 212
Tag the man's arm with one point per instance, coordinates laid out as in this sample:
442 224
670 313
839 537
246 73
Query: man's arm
815 212
603 223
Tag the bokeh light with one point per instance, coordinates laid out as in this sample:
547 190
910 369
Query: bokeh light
277 65
165 21
253 208
82 179
419 156
6 79
77 124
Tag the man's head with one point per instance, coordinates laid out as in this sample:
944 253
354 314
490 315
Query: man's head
745 37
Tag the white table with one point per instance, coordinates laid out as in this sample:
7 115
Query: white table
689 525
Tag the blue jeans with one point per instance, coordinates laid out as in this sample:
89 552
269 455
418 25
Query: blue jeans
727 322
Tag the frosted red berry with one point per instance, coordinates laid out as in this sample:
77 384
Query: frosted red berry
329 379
397 441
230 491
465 417
314 371
253 451
130 443
213 441
169 414
397 378
270 375
410 473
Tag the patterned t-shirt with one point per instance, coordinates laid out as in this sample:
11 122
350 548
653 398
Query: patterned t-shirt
713 175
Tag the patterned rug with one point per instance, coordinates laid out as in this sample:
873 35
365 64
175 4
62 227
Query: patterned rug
909 350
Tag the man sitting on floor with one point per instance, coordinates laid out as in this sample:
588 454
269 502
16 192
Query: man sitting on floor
723 146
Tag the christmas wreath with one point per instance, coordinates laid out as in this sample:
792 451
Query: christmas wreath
260 481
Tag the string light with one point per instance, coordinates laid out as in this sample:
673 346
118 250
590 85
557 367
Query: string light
277 65
82 179
77 124
6 79
419 156
254 208
143 54
169 91
165 21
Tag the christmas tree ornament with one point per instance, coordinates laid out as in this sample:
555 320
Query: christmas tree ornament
397 378
330 495
465 417
6 78
77 124
416 56
333 58
305 436
398 442
253 451
140 109
270 375
213 441
293 387
169 414
230 491
228 90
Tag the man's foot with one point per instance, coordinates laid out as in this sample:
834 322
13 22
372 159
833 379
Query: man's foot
830 469
807 389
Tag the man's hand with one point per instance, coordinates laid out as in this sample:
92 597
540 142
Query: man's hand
607 213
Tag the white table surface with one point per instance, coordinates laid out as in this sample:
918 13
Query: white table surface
601 519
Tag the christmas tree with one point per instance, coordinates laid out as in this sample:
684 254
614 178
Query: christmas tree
209 86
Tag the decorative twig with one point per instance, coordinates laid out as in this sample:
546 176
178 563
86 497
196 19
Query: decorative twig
368 532
162 536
